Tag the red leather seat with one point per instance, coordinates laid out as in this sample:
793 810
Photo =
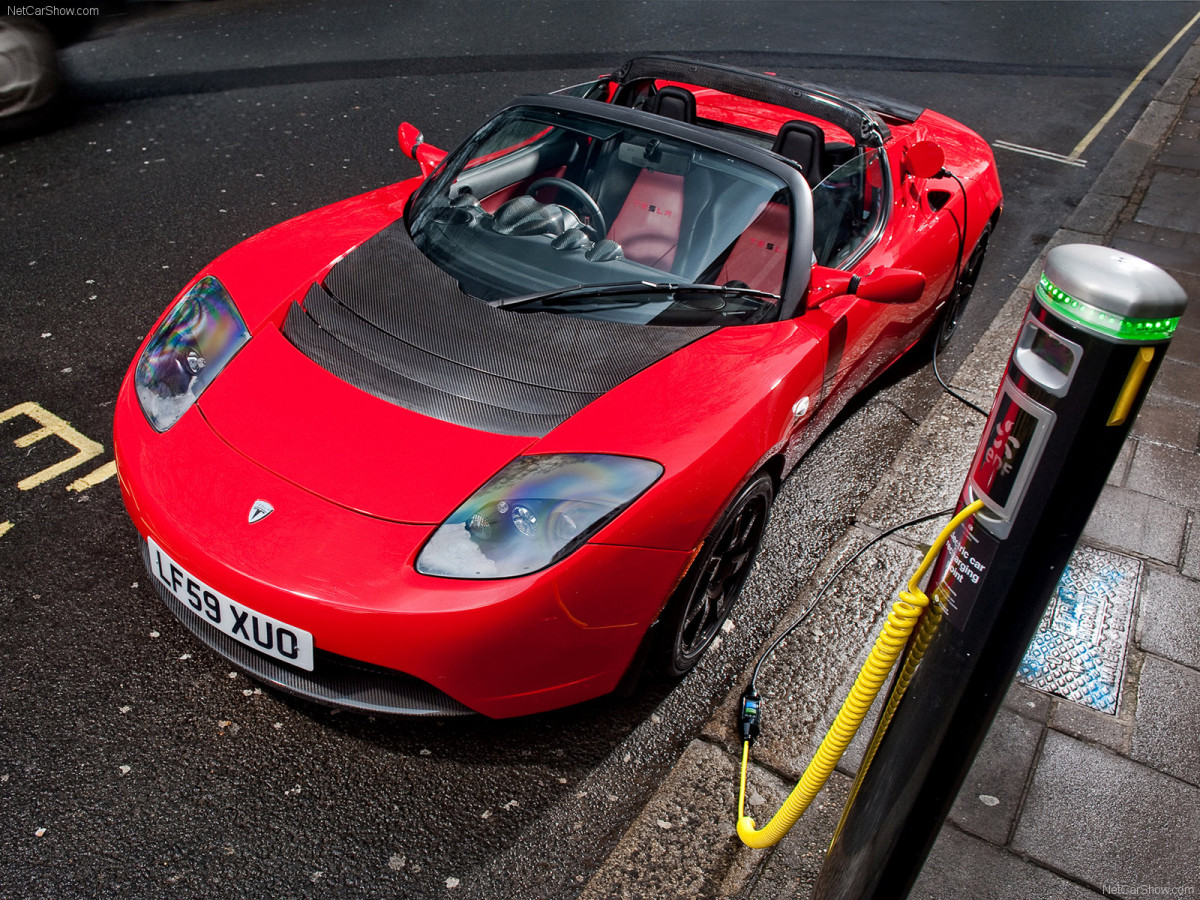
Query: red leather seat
759 257
647 227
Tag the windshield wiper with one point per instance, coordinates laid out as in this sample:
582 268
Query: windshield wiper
559 296
581 290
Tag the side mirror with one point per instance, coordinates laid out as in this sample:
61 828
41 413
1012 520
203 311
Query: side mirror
889 286
412 144
410 139
924 159
881 285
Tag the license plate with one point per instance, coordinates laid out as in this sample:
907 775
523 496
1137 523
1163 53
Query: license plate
268 636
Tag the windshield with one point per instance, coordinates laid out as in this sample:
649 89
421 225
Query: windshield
539 200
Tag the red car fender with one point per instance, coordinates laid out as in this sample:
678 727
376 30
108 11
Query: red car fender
711 413
265 272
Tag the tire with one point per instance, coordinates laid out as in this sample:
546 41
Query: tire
701 604
953 310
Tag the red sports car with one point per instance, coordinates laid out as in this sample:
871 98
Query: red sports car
491 438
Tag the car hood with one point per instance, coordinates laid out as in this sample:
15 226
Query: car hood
389 391
389 321
290 416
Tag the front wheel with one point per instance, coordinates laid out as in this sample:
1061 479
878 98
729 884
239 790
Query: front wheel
701 604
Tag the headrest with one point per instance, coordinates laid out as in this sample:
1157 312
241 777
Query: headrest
674 103
804 143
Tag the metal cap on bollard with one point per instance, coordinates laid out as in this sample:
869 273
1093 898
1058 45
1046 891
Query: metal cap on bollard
1115 294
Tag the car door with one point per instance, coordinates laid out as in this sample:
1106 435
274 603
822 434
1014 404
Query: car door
869 216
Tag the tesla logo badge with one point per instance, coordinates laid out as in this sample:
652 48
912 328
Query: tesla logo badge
260 510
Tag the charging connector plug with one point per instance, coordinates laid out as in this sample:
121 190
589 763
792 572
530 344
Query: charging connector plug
750 716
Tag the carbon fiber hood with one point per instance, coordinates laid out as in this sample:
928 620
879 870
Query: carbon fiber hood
392 323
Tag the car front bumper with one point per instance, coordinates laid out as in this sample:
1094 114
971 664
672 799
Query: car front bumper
387 639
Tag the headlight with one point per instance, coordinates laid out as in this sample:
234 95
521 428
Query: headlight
536 511
188 351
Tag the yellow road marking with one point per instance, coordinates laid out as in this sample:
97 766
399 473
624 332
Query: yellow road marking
51 425
5 527
33 437
105 472
1112 111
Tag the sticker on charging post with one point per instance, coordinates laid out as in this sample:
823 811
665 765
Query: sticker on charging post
955 583
1007 456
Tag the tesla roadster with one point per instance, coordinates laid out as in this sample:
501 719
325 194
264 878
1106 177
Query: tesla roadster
499 436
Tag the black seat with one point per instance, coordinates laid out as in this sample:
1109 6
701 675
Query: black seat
804 143
674 103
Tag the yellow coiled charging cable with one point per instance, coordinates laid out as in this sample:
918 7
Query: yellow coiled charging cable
905 614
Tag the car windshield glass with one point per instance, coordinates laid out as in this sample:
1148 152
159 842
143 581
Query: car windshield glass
545 199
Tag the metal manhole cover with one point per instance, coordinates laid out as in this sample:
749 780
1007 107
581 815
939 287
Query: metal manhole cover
1079 649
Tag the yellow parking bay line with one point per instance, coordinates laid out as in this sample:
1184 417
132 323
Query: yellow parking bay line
1112 111
51 425
105 472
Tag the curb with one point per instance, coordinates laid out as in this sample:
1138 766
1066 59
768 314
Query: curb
698 795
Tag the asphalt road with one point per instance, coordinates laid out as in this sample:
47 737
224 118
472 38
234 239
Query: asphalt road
132 763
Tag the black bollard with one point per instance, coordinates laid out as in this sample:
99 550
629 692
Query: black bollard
1096 331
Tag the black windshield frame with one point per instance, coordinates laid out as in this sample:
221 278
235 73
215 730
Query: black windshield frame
801 237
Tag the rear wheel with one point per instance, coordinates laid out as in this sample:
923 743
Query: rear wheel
702 602
953 310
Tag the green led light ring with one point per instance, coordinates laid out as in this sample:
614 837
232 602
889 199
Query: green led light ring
1074 309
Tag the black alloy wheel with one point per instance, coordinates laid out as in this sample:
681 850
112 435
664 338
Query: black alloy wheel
702 603
952 312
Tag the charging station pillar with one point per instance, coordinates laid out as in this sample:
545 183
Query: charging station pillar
1095 333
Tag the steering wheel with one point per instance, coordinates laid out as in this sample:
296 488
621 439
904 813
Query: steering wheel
599 227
